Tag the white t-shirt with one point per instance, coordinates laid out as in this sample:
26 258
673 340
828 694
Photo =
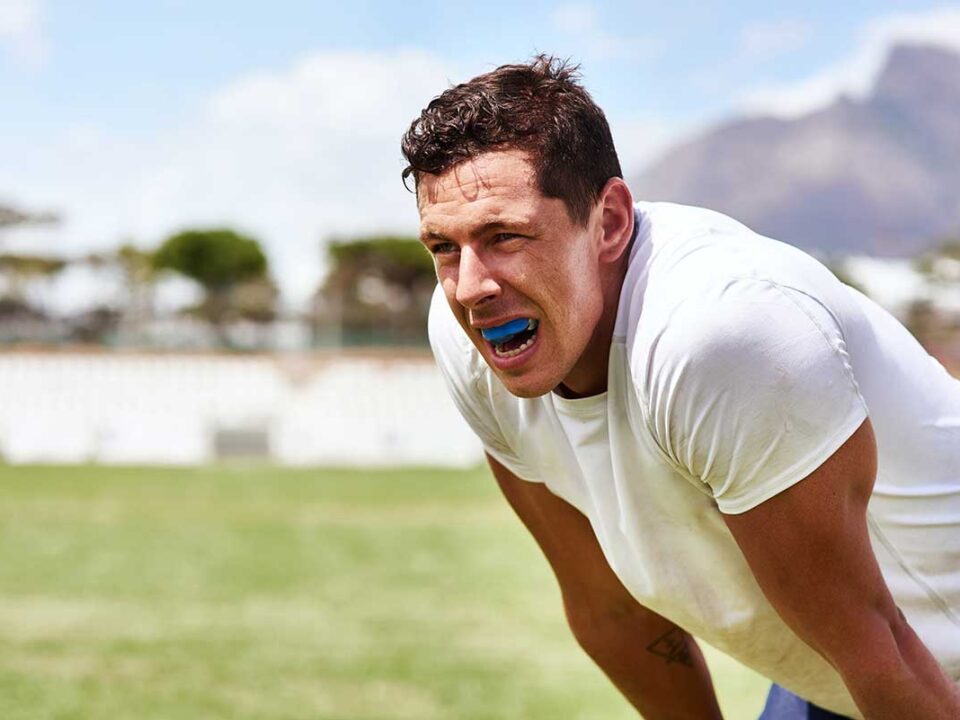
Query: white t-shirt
738 366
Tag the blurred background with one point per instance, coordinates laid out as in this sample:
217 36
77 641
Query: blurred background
233 485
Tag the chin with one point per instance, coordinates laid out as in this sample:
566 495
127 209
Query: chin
527 388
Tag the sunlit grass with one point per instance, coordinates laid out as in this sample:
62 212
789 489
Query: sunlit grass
265 593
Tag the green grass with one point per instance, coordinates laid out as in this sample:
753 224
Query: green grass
265 593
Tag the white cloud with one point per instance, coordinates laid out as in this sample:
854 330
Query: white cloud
575 18
762 40
641 138
581 23
21 31
292 157
855 74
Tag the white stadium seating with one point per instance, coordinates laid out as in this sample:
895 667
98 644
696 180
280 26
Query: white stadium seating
335 409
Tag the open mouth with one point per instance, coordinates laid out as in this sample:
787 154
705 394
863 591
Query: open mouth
512 338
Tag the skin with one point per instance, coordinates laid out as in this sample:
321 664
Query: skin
624 638
843 608
503 251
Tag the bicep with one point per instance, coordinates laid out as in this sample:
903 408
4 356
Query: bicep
809 549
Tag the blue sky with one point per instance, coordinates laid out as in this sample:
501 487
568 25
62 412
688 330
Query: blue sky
137 119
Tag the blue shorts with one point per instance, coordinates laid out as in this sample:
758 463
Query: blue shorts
784 705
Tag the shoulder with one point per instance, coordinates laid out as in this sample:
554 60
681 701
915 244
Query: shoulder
715 288
738 332
746 385
745 319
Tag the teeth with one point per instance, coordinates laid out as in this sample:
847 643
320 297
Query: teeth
517 351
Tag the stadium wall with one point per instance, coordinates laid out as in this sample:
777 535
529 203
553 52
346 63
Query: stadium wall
369 408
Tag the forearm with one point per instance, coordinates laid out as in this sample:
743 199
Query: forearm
897 677
660 669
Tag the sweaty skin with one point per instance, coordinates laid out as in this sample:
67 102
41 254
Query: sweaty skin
505 251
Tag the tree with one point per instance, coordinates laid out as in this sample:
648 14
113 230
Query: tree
21 270
929 320
378 289
11 217
136 270
232 269
941 263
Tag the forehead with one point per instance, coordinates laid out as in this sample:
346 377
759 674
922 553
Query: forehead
495 182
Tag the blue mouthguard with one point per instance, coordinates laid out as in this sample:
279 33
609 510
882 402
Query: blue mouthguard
505 331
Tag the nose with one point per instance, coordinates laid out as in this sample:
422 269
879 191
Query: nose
475 283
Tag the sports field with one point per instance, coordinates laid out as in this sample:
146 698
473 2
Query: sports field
264 593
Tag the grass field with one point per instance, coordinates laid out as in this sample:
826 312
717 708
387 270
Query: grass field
265 593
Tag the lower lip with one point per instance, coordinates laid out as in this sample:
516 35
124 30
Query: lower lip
508 363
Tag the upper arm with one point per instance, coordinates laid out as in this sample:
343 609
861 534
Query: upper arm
809 549
592 593
655 664
750 392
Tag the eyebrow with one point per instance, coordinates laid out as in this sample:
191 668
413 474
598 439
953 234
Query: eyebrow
482 229
433 235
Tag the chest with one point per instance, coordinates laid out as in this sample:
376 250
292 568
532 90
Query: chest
661 534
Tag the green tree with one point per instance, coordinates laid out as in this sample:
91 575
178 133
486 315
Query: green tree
232 269
20 270
378 289
948 248
941 268
135 267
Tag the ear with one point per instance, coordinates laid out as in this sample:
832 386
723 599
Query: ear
615 206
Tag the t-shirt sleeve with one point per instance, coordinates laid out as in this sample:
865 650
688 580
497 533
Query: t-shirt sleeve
467 380
750 390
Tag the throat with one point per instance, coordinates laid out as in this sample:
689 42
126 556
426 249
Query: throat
590 375
567 393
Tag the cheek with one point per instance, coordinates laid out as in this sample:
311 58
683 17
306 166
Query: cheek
449 286
580 303
574 278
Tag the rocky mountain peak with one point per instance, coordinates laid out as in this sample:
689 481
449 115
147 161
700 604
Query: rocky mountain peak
879 176
919 74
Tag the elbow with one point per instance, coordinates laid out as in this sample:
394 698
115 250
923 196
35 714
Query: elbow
901 631
596 628
892 651
582 624
908 644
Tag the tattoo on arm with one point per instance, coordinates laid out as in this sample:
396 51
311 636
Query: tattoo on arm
672 647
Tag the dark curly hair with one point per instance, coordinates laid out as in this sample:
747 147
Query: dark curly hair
538 107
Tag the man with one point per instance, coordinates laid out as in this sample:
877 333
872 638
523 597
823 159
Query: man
707 433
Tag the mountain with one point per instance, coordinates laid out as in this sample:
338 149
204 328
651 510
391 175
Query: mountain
877 176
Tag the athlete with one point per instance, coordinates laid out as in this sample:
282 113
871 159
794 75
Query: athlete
707 433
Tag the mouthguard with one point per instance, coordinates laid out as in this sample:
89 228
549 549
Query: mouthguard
505 331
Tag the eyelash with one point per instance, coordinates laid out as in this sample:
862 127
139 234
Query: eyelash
438 248
448 247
